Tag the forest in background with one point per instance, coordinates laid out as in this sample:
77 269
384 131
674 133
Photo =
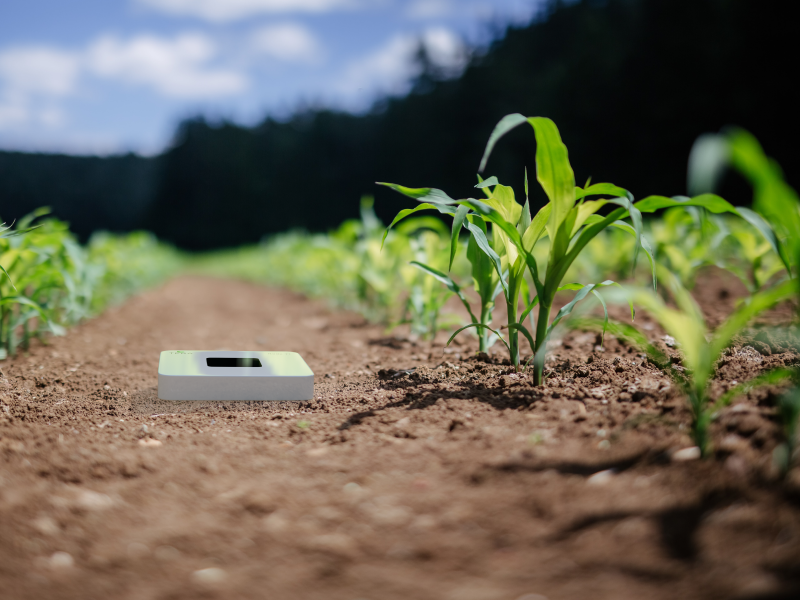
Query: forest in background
630 84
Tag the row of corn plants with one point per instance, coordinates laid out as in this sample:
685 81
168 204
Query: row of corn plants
49 281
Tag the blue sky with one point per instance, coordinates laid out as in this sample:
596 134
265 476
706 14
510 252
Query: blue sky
94 76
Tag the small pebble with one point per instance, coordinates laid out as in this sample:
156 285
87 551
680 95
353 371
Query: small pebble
211 576
61 560
601 477
352 488
89 500
150 443
685 454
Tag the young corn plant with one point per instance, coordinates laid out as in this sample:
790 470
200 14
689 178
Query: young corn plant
702 348
569 219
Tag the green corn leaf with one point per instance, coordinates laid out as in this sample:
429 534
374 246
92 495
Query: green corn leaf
505 125
485 247
636 219
531 305
458 221
711 202
412 226
9 276
486 191
590 231
773 197
583 212
535 230
492 181
25 301
524 331
493 215
764 228
448 282
525 218
602 189
444 209
431 195
502 199
526 185
553 171
482 267
583 291
25 222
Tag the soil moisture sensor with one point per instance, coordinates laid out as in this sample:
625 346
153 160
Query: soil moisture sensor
228 375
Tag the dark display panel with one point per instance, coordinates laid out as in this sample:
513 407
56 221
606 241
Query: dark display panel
213 361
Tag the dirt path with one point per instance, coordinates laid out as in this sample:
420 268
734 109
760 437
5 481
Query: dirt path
457 481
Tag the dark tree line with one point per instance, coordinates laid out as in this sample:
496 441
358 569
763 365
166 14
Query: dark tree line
630 83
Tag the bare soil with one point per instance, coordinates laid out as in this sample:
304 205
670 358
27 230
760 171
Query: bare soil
415 473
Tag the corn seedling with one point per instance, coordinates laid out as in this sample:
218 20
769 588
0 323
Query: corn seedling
701 348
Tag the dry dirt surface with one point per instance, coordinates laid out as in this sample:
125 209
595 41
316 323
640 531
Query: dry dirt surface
415 473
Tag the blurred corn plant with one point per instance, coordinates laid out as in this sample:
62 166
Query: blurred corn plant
779 204
426 297
699 347
112 267
773 199
50 281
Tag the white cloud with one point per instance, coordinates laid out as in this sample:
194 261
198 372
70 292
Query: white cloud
38 70
390 69
288 42
175 67
31 79
13 114
445 49
232 10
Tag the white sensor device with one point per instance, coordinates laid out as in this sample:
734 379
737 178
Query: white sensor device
228 375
